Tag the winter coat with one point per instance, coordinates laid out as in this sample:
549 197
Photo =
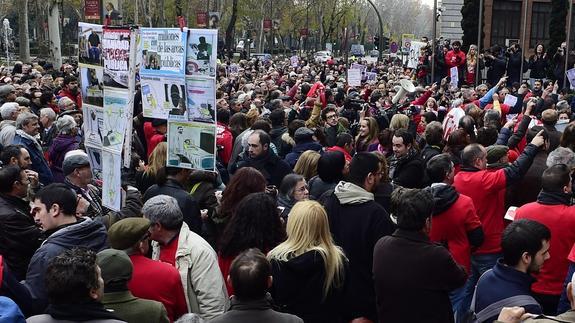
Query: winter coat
299 149
317 187
225 139
188 205
276 137
455 223
554 210
527 189
19 234
31 294
298 289
407 171
197 264
495 69
356 222
260 310
7 132
270 165
503 282
409 269
538 66
39 163
60 146
76 98
132 309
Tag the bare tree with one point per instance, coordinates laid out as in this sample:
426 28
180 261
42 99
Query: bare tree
24 47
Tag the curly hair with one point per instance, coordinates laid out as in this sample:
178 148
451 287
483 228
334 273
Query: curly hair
254 224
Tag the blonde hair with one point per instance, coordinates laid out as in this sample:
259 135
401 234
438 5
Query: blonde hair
157 159
472 58
306 165
252 115
399 121
308 230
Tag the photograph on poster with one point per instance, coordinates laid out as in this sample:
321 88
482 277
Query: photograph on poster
201 57
115 121
90 44
162 51
116 54
111 180
201 94
92 85
163 96
93 124
95 156
191 145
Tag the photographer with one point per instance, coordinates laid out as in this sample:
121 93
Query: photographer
559 63
514 55
496 64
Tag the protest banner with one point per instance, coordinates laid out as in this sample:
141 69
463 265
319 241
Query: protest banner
163 51
116 54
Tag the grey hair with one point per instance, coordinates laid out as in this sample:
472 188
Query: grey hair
190 318
457 103
63 101
24 119
561 155
7 109
163 209
491 116
562 105
48 113
65 124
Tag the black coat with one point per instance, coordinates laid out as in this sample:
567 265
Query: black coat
19 235
356 228
298 289
254 311
413 278
270 165
408 172
186 202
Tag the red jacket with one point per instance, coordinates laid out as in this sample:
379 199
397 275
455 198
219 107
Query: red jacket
160 282
225 138
453 59
451 227
153 138
77 98
560 219
487 190
338 148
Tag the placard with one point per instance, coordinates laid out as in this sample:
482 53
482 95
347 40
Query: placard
90 45
163 95
201 99
116 54
92 85
115 120
202 49
191 145
354 77
93 125
112 180
163 51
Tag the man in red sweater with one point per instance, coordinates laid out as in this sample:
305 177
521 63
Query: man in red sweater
151 279
484 187
454 222
456 58
553 209
71 90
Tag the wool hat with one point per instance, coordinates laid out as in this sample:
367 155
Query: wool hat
127 232
115 265
495 152
73 161
6 89
303 134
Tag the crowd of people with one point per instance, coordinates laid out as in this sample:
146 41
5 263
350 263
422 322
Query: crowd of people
329 202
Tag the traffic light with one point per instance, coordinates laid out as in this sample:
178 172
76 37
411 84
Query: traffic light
385 43
376 42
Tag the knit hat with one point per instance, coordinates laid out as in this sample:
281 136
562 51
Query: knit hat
6 89
495 152
115 265
303 134
127 232
73 161
25 102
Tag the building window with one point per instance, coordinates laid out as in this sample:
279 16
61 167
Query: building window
540 16
506 21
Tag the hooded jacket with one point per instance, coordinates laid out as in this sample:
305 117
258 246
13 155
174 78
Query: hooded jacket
298 289
299 149
455 223
60 146
39 163
357 222
31 294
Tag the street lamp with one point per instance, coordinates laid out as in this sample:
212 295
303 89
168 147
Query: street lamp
380 45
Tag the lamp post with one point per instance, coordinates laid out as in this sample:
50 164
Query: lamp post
434 41
568 41
479 39
380 45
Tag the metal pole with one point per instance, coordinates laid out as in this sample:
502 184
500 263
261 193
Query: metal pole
479 39
523 35
568 41
380 45
434 40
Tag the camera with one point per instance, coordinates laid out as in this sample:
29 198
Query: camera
354 103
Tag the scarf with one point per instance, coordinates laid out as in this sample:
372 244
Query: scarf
80 312
349 193
554 198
